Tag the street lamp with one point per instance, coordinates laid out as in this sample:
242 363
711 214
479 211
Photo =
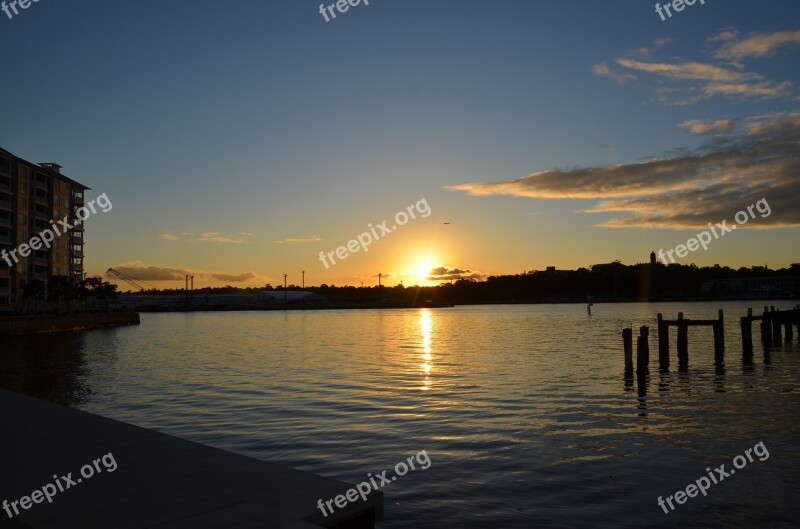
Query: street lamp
379 289
304 279
284 289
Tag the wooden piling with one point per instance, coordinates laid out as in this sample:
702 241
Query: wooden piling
719 339
627 343
775 318
642 351
787 322
663 343
747 334
683 341
766 329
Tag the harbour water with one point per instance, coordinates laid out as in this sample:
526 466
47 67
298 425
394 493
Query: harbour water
523 410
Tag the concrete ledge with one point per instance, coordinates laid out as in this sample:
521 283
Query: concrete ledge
66 322
160 480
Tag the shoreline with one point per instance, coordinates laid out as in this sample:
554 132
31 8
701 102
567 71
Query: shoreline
26 324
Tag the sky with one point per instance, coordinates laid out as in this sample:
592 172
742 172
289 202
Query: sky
239 141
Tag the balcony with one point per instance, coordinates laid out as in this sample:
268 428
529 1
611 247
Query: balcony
42 185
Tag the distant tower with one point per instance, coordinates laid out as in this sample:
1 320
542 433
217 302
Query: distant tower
652 258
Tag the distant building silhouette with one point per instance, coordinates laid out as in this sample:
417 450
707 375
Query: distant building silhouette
652 258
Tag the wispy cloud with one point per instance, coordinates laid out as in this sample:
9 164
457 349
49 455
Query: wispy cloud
213 236
685 82
621 79
293 240
718 126
756 158
168 237
756 45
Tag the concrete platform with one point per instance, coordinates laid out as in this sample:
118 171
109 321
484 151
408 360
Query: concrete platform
160 481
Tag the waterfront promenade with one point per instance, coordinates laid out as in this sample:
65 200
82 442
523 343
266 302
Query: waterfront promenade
156 480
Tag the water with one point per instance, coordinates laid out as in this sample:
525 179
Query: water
523 410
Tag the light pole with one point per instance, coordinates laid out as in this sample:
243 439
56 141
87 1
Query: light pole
379 289
284 290
304 280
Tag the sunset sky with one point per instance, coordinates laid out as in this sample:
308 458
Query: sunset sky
237 140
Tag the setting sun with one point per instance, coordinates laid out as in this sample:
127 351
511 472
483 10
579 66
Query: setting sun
424 271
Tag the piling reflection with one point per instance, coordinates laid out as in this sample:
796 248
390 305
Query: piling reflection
719 378
642 379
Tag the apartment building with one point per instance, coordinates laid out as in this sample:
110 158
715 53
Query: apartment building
31 196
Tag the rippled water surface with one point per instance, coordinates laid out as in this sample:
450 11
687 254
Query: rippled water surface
523 410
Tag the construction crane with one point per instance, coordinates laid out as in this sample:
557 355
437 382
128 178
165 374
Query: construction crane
119 275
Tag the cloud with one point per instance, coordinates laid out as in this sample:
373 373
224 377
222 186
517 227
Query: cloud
141 272
724 35
756 159
756 45
238 278
446 273
685 82
689 71
603 70
292 240
719 126
168 237
213 236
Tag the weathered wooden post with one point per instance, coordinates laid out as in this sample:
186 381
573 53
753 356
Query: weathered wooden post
683 341
627 343
642 351
766 329
796 320
719 339
663 343
775 318
747 333
787 322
